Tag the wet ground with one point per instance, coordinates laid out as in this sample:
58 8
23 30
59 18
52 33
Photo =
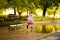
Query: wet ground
51 36
6 34
22 34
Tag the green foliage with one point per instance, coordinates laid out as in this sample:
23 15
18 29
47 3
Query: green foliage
2 17
50 11
3 4
48 3
30 5
12 17
7 23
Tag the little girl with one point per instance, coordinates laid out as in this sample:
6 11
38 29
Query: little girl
29 20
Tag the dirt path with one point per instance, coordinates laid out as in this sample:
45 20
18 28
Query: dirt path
26 36
6 34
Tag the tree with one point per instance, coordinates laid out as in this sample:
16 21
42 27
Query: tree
11 4
3 4
44 4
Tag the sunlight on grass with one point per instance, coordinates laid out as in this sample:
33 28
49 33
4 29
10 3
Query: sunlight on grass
3 15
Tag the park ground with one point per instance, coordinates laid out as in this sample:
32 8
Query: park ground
6 34
17 34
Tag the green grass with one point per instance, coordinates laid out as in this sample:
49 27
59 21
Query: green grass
3 15
44 18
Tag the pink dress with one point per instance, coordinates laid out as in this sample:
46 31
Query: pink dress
30 20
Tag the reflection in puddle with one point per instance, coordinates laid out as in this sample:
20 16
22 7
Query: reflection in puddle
47 28
36 28
7 33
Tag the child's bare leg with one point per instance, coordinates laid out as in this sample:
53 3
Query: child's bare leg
27 26
31 28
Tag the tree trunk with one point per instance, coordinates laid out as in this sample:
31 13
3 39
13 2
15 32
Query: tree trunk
27 12
44 11
55 12
54 17
14 11
43 27
19 14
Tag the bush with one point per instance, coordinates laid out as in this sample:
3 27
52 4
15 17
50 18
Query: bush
23 18
7 23
2 18
12 17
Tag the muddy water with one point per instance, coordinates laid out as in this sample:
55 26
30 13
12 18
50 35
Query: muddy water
17 34
22 34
